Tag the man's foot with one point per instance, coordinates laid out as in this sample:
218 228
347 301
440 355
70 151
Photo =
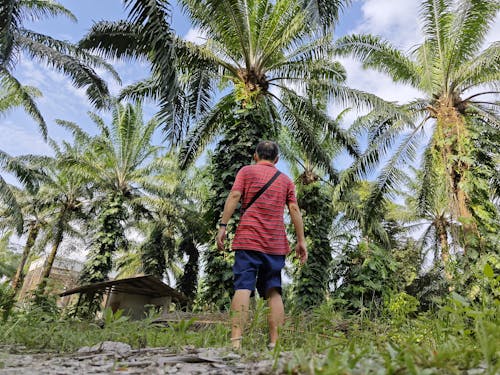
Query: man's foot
236 343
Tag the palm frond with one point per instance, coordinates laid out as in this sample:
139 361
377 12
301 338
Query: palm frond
138 91
77 132
26 98
39 9
115 40
81 74
10 23
9 199
484 69
437 17
471 22
12 99
158 36
376 53
205 131
296 113
488 115
325 12
66 48
392 174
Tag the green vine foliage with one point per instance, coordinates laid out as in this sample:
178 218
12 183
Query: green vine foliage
109 238
312 279
242 133
484 170
153 252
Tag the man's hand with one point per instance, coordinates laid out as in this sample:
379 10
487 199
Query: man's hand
301 251
221 236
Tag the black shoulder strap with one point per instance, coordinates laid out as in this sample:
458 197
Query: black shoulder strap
262 189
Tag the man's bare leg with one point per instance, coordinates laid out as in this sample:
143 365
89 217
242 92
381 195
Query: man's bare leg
239 311
276 316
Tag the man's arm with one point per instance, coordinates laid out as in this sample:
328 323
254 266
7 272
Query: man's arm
296 216
231 203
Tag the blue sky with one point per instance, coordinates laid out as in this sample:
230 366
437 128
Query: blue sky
395 20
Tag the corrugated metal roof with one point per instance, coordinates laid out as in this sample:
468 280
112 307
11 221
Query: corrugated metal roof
144 285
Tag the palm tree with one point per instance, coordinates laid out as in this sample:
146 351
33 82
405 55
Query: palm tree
364 269
175 227
457 79
119 163
27 175
8 258
427 208
60 55
267 53
34 222
63 192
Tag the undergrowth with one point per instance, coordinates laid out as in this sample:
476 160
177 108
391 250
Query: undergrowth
458 336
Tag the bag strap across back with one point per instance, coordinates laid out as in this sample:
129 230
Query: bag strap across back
262 190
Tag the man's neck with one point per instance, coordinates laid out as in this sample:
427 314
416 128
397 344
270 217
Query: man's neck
262 161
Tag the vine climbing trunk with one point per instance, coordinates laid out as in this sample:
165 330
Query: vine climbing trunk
312 279
108 239
455 148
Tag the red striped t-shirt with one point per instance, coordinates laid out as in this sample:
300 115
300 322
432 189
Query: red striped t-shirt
262 227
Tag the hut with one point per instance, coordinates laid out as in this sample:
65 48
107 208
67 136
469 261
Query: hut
133 295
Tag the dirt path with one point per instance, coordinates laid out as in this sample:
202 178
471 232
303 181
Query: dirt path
118 358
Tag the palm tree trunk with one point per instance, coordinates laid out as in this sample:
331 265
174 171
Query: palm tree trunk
53 253
34 229
454 148
445 249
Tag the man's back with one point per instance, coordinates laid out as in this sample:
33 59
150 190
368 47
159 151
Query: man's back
262 227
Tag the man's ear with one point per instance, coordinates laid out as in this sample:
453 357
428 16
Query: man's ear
276 160
255 157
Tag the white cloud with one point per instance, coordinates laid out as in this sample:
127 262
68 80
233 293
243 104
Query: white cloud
395 20
494 33
377 83
195 35
21 138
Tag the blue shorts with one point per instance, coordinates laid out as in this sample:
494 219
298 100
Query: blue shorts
254 268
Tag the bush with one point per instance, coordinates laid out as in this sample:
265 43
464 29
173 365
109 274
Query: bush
401 306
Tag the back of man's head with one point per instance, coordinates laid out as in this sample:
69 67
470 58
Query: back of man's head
267 150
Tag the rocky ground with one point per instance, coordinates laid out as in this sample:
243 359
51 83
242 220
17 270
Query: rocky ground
119 358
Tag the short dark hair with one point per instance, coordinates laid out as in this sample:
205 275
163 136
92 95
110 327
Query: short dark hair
267 150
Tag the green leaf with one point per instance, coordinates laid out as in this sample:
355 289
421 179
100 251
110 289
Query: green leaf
488 271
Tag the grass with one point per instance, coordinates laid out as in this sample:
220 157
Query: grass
452 340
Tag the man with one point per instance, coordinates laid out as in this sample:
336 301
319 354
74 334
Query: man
260 242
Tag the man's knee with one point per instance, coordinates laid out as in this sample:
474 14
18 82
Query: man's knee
273 293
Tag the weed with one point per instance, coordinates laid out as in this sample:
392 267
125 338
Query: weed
461 335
